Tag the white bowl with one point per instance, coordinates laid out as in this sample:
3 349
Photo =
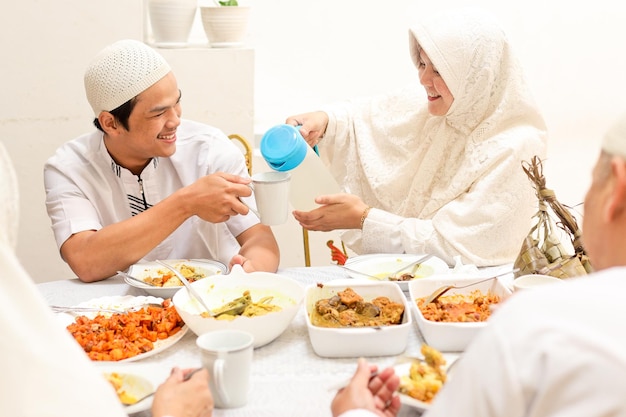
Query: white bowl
533 281
451 337
218 290
349 342
153 269
382 264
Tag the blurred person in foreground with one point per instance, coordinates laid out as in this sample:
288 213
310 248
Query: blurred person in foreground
46 372
435 169
558 350
147 184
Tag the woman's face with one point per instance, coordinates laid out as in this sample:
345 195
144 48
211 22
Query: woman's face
439 97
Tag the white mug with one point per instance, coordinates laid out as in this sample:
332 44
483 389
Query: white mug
227 354
271 193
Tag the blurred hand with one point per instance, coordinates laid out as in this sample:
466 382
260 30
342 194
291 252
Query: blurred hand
313 125
180 398
246 264
338 211
215 198
377 395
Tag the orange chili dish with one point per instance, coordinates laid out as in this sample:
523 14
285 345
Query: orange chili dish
473 307
124 335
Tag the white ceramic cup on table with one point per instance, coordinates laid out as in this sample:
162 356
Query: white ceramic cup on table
271 192
227 354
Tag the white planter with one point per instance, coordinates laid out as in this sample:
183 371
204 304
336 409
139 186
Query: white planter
171 21
225 26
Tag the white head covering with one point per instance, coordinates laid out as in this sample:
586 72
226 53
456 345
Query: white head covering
120 72
614 142
411 163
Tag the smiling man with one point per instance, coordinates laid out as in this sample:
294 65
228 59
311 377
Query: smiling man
148 184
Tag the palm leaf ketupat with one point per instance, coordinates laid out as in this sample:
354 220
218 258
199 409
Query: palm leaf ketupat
542 251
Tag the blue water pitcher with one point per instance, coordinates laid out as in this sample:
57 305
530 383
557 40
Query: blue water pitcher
284 149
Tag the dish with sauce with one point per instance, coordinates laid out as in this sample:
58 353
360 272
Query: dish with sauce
382 265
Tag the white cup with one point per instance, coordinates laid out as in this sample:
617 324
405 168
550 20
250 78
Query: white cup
534 281
271 192
227 354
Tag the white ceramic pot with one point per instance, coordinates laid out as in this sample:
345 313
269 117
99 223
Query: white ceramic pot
171 21
225 26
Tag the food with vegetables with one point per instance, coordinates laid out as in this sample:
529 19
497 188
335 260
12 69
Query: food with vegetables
121 336
117 380
244 306
349 309
426 377
167 278
472 307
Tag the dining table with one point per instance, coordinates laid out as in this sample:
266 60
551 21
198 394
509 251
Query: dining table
287 378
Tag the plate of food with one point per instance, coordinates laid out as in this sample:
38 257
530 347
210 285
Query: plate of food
382 266
131 389
155 322
422 379
161 282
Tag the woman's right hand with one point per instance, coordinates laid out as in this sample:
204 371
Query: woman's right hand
312 125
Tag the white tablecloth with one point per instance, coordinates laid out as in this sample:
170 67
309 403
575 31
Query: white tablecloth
288 378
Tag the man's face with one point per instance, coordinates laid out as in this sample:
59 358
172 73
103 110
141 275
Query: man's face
151 126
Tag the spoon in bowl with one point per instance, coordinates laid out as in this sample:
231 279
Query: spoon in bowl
442 290
192 291
129 276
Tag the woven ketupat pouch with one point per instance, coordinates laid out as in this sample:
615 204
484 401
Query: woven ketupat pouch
542 251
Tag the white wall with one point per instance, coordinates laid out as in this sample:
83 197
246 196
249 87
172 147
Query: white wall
306 53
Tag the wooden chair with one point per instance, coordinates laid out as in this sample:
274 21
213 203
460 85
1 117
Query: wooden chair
241 142
246 148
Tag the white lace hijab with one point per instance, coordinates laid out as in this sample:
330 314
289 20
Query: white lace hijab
415 162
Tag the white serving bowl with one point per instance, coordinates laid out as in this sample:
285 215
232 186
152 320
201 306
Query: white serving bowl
382 264
349 342
451 337
153 269
218 290
534 281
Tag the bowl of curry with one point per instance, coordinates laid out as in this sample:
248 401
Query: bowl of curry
346 318
261 303
451 322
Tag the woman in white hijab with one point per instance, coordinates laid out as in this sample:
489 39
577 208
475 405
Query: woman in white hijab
435 169
46 372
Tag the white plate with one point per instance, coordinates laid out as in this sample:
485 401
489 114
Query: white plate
383 264
155 374
151 269
403 370
124 302
134 384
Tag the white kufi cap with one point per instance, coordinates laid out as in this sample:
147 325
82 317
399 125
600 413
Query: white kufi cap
614 142
120 72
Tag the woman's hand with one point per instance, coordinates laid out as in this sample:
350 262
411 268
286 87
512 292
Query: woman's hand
313 125
337 211
377 394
